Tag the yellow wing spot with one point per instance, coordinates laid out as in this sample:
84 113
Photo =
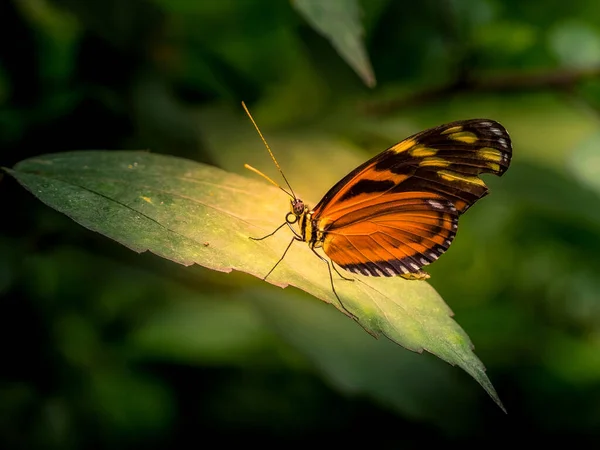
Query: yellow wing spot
452 130
422 152
434 162
464 136
403 146
453 176
494 167
147 199
490 154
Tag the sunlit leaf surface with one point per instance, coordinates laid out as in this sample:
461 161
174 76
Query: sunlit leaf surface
192 213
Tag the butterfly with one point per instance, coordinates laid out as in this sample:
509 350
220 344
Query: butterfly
399 211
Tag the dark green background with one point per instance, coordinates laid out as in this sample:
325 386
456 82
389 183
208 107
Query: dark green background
105 348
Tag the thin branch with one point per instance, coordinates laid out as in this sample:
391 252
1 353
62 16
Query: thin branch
510 82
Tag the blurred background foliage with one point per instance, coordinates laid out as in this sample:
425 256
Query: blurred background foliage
105 348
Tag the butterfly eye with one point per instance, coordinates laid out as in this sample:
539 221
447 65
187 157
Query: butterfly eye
291 218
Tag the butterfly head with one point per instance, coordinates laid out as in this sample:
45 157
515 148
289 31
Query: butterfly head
297 210
297 206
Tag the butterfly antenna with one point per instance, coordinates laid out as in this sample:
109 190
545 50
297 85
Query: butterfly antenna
249 167
272 157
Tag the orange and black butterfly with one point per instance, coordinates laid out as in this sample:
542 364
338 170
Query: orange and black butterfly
398 212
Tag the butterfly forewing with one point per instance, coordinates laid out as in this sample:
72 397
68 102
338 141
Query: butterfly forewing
398 211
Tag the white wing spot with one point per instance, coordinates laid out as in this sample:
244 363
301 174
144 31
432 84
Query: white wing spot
435 204
433 255
454 226
424 261
414 266
448 242
485 124
402 268
503 142
496 131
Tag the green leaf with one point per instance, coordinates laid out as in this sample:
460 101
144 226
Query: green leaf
575 44
339 21
129 402
584 162
202 330
196 214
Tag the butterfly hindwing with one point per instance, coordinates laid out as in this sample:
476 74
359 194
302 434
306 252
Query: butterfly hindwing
399 211
396 237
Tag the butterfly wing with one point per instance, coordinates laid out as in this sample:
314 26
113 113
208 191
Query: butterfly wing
397 234
399 211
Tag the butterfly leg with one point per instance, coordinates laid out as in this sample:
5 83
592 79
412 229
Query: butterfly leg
420 275
338 272
332 286
270 234
282 256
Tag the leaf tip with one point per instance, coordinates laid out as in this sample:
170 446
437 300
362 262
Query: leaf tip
370 80
498 402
